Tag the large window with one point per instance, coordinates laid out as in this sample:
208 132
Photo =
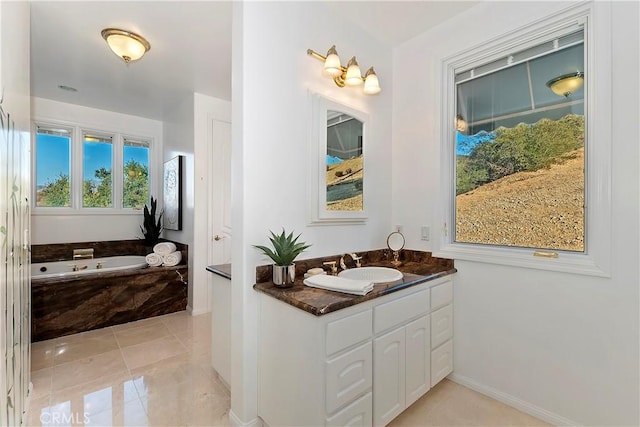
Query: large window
89 170
526 147
520 148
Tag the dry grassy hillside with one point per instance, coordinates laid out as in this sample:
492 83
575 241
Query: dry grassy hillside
543 209
348 170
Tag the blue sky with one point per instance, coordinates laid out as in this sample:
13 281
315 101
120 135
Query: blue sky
52 157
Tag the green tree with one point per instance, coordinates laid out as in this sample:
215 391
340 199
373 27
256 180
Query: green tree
55 193
522 148
136 185
97 193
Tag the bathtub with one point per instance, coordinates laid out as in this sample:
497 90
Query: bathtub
47 270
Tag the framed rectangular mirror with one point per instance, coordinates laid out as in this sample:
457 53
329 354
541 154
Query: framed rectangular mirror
337 185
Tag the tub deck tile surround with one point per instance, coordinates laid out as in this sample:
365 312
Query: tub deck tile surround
67 305
417 267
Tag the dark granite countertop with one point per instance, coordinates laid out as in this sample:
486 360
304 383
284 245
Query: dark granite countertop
319 301
223 270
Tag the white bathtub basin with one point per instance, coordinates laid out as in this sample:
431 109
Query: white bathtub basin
374 274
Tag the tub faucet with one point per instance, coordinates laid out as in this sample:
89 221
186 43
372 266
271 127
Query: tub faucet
354 257
83 253
74 267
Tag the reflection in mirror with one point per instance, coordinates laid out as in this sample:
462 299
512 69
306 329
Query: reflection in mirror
395 241
344 162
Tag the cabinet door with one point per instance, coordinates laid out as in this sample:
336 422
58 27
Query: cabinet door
389 377
418 363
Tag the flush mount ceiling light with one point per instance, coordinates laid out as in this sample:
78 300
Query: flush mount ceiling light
349 75
566 84
127 45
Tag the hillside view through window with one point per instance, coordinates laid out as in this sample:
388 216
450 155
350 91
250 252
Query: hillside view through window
520 149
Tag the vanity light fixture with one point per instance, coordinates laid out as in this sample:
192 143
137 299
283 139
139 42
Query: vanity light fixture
566 84
349 75
127 45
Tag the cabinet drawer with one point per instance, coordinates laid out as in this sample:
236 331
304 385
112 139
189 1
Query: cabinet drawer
441 295
347 331
399 311
441 326
348 376
441 362
357 414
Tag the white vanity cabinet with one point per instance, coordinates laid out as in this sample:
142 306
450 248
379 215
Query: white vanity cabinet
358 366
221 327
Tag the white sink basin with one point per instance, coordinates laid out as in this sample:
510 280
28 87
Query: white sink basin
374 274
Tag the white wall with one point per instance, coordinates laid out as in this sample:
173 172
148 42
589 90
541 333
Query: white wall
78 226
178 140
271 120
563 347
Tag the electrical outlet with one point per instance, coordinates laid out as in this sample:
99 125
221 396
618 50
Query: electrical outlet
424 233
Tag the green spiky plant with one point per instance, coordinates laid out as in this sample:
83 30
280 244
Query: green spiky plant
285 248
152 228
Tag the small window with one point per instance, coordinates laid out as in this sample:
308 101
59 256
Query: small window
53 167
136 173
97 182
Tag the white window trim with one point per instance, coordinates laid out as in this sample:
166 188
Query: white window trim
76 169
596 260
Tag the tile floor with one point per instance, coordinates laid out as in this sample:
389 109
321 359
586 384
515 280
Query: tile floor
157 372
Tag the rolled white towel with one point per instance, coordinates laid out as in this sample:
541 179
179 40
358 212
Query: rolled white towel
172 259
339 284
164 248
153 259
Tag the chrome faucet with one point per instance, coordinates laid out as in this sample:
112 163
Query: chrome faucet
354 257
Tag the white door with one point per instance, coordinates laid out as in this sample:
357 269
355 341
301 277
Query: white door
220 179
388 377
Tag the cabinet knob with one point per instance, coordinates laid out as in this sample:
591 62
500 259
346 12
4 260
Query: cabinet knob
217 237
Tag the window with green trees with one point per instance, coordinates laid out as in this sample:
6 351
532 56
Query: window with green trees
82 169
53 166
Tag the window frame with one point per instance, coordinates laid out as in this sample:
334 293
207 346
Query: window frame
596 258
77 169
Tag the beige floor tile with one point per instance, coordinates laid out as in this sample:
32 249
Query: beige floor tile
98 395
147 331
151 352
181 323
38 411
42 354
137 323
88 369
41 381
86 344
124 414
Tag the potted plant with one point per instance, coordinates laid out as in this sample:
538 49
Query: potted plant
151 228
285 249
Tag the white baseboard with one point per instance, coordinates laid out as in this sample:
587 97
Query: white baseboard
193 312
237 422
513 401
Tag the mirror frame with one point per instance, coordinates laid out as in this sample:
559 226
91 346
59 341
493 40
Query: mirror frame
317 211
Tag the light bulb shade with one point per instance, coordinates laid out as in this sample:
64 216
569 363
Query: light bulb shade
332 67
127 45
371 84
353 77
566 84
